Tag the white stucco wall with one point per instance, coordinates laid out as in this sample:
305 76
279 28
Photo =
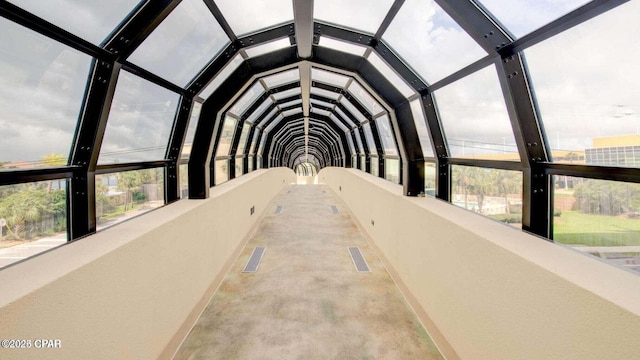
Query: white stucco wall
133 291
489 290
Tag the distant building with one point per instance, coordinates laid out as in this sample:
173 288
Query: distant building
623 151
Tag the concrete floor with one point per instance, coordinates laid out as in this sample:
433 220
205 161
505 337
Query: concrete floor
306 301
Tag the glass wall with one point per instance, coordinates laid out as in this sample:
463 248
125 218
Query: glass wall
140 121
184 181
490 192
191 130
42 85
221 171
475 119
374 170
598 217
123 195
33 218
588 99
430 178
392 170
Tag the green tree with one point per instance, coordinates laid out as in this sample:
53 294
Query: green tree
473 180
129 181
19 208
507 182
606 197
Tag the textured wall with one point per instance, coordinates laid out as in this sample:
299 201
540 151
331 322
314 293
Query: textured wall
132 291
494 292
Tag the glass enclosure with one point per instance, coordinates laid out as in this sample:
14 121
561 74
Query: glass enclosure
123 195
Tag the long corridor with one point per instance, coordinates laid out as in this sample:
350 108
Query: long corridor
306 300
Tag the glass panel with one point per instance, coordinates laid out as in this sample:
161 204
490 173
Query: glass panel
475 119
443 47
386 70
268 117
325 93
222 171
352 109
598 217
140 121
221 77
287 93
260 110
320 112
321 103
274 123
224 144
41 92
357 14
386 135
345 117
263 140
329 77
292 112
364 98
92 20
184 181
259 162
359 141
374 166
523 16
338 122
352 148
290 103
282 78
254 141
239 167
267 47
368 135
250 164
590 108
35 216
243 138
121 196
191 130
242 104
363 164
490 192
392 170
343 46
247 16
421 127
430 178
187 40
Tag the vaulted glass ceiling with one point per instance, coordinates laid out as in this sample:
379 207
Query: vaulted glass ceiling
389 86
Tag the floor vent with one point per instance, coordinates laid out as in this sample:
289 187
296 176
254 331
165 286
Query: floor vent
254 260
278 209
358 260
334 209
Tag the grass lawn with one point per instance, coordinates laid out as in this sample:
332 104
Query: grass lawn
576 228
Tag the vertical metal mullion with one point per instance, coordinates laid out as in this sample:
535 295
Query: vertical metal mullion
532 145
379 147
86 148
443 173
176 141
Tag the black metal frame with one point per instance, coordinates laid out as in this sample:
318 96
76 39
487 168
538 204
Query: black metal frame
503 52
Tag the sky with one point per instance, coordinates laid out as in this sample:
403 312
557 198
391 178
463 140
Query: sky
584 79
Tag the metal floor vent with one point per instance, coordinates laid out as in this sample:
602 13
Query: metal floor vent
278 209
358 260
334 209
254 260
